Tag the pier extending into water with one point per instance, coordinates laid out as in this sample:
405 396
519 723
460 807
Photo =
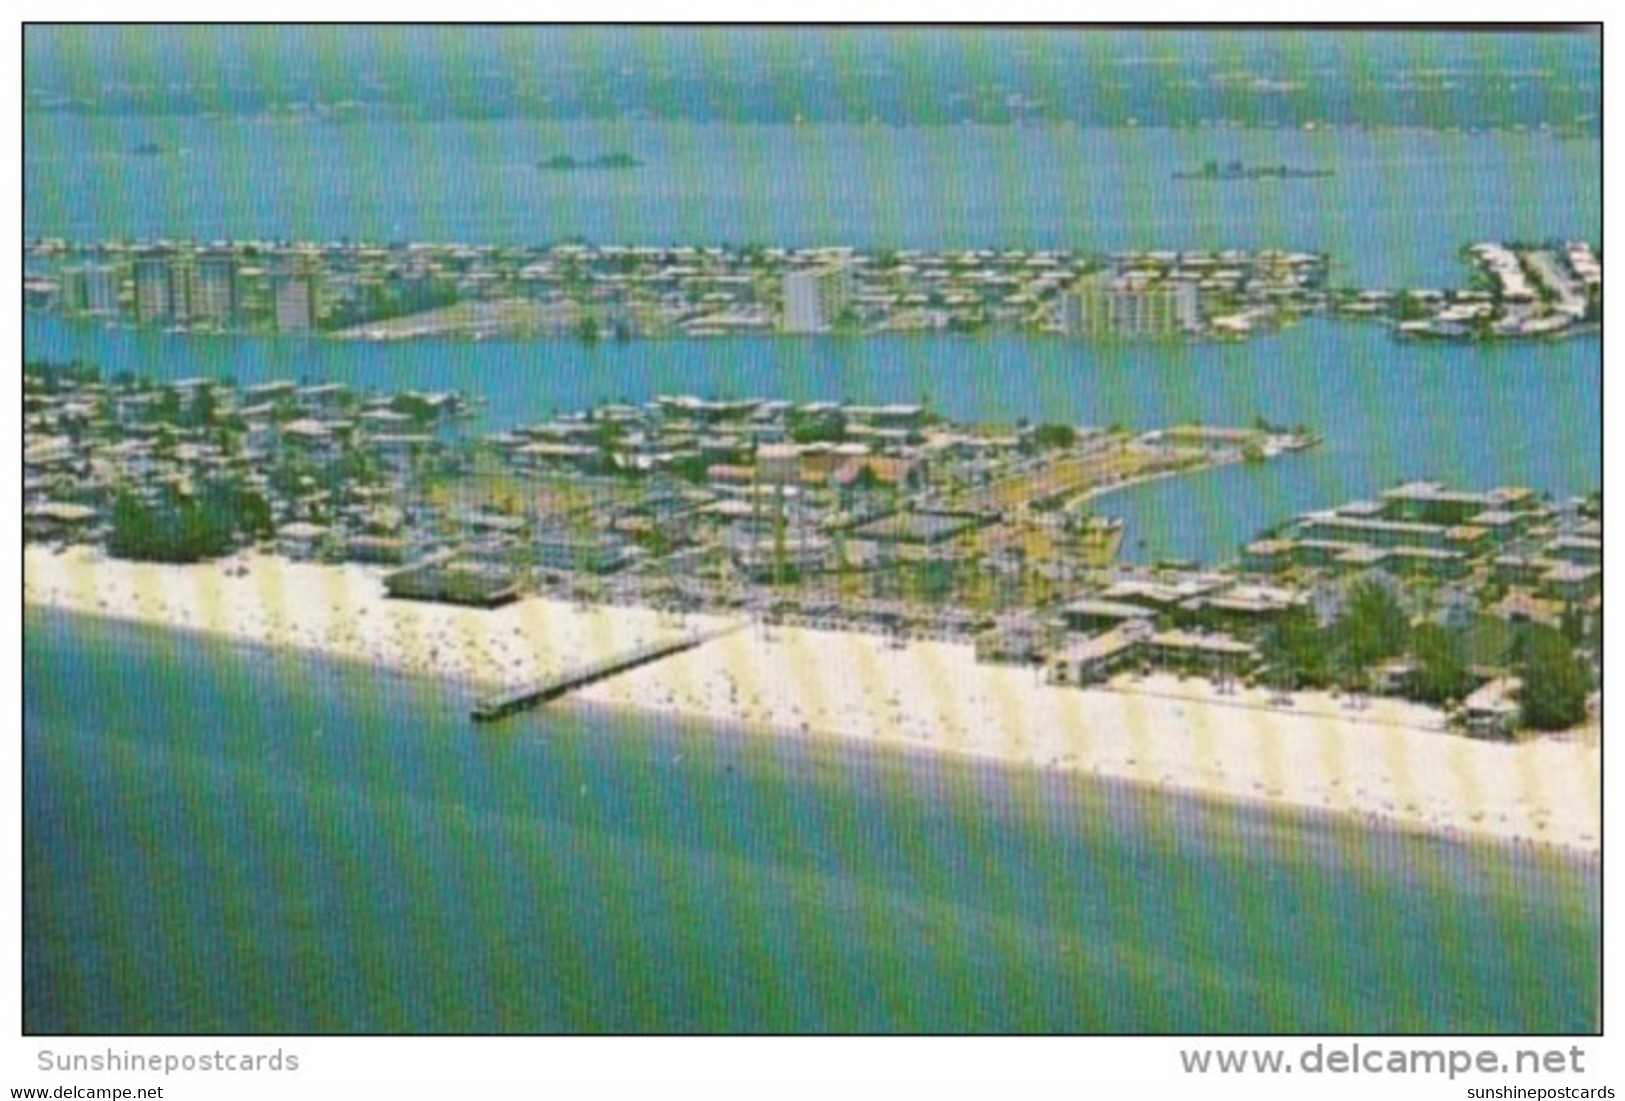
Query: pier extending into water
503 704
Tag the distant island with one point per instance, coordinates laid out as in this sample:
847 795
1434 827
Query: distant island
1520 290
1236 170
148 149
564 162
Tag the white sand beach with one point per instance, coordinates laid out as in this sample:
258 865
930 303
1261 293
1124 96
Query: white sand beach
343 611
1389 760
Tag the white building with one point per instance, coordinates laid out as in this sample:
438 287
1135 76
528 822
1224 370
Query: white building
155 298
1095 308
295 302
91 289
814 298
214 290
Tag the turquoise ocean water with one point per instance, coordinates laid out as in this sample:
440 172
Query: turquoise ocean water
234 842
220 841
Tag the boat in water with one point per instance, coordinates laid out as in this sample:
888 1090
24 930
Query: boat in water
1236 170
564 162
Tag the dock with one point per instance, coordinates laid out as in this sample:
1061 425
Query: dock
506 703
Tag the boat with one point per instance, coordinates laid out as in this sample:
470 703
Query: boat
1236 170
564 162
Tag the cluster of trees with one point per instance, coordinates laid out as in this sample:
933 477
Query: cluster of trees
52 375
806 427
1304 654
177 528
1555 682
1051 437
1374 627
1264 424
199 410
398 298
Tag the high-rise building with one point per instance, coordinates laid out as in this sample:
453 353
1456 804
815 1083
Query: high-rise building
154 296
1097 308
295 301
164 288
182 288
214 290
814 298
90 289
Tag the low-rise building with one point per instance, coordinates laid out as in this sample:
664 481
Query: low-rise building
1268 555
1096 659
302 541
1567 581
1491 710
479 585
48 520
1086 616
1576 550
383 550
1204 653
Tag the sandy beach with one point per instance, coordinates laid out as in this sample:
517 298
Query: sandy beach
343 611
1389 760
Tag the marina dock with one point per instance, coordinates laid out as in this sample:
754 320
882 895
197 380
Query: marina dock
503 704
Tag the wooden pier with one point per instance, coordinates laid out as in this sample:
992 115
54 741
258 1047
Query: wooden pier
526 696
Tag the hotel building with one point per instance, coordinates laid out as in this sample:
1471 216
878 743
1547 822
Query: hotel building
813 299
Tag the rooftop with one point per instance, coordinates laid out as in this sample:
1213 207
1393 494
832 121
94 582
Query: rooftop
1107 609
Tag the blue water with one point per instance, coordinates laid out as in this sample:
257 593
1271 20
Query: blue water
1478 417
230 843
1401 206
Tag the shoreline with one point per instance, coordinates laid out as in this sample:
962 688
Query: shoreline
1390 766
471 333
1204 467
902 754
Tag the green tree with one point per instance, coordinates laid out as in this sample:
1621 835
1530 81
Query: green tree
1297 651
174 529
1050 436
866 480
254 515
1441 663
821 428
204 406
132 526
1408 307
420 409
1373 626
168 406
1572 625
165 443
1555 681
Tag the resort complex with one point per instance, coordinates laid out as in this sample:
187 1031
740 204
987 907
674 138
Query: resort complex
884 519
